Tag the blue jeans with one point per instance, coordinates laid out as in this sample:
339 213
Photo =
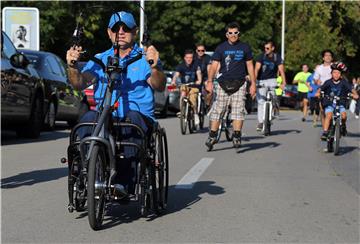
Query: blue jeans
126 167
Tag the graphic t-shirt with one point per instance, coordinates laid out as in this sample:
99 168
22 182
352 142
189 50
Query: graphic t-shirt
269 66
340 89
232 60
187 73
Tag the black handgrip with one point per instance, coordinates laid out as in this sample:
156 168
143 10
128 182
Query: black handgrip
151 61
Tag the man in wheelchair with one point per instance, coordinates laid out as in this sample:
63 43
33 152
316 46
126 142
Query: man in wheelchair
134 91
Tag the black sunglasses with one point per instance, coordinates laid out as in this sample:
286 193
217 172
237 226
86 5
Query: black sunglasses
200 50
267 48
116 28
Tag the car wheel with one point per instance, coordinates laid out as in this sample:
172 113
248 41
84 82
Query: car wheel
33 127
50 116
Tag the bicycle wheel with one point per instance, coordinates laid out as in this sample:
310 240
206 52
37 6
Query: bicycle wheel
228 128
79 186
183 118
96 186
191 120
267 122
337 137
218 136
202 113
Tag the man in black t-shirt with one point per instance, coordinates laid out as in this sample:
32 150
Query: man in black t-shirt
235 61
189 72
268 64
203 60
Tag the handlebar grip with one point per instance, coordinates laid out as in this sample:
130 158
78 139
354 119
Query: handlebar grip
151 62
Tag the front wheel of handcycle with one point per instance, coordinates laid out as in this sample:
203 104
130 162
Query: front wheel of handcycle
228 128
96 186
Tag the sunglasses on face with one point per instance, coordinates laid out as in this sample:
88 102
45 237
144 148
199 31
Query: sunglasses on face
233 33
267 48
200 50
117 26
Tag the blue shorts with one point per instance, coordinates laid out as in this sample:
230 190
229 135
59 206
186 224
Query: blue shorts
330 109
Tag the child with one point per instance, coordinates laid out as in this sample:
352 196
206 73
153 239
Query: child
338 87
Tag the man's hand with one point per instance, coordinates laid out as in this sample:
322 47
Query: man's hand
152 54
209 86
253 90
282 86
73 54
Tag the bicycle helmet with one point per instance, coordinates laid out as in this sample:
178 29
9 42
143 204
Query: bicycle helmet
339 66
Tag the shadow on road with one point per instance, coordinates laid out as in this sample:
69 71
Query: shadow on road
256 146
33 177
179 199
10 138
350 134
283 132
345 150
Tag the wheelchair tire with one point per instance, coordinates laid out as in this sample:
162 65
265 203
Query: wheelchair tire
96 197
162 170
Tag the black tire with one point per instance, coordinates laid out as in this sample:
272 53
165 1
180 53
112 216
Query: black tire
202 113
183 123
50 116
162 170
337 137
33 127
191 120
96 174
267 122
228 128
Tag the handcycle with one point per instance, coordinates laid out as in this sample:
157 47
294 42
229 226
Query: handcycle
92 160
187 117
268 108
334 135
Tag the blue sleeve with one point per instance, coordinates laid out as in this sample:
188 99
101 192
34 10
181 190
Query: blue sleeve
217 54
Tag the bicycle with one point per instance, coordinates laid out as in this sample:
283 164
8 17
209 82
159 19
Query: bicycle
201 108
92 160
187 117
334 135
268 108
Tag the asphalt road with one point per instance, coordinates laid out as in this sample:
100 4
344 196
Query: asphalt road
281 188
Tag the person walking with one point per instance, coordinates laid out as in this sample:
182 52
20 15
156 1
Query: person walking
303 88
267 66
235 60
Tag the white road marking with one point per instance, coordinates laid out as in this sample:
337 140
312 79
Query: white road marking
188 181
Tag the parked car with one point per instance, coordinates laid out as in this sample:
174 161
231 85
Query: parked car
62 101
168 99
22 92
289 96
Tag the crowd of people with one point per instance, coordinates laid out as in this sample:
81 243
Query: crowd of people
232 65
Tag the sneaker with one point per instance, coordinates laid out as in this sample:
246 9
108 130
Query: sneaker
178 114
210 142
314 124
259 127
324 135
237 141
343 130
356 116
303 119
197 120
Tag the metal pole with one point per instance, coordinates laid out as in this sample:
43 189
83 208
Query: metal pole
283 31
142 5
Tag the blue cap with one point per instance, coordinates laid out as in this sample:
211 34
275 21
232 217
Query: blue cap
123 17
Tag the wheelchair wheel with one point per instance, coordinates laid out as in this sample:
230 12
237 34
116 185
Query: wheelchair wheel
162 170
96 186
183 118
79 186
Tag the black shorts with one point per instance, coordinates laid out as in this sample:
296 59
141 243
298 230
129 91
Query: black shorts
302 96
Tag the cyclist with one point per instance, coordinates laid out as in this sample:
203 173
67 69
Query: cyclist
339 87
267 66
189 72
136 104
234 58
303 88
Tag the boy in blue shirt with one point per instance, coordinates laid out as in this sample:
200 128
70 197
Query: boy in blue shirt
339 87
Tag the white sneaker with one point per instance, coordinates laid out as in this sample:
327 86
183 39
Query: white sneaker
196 118
356 116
